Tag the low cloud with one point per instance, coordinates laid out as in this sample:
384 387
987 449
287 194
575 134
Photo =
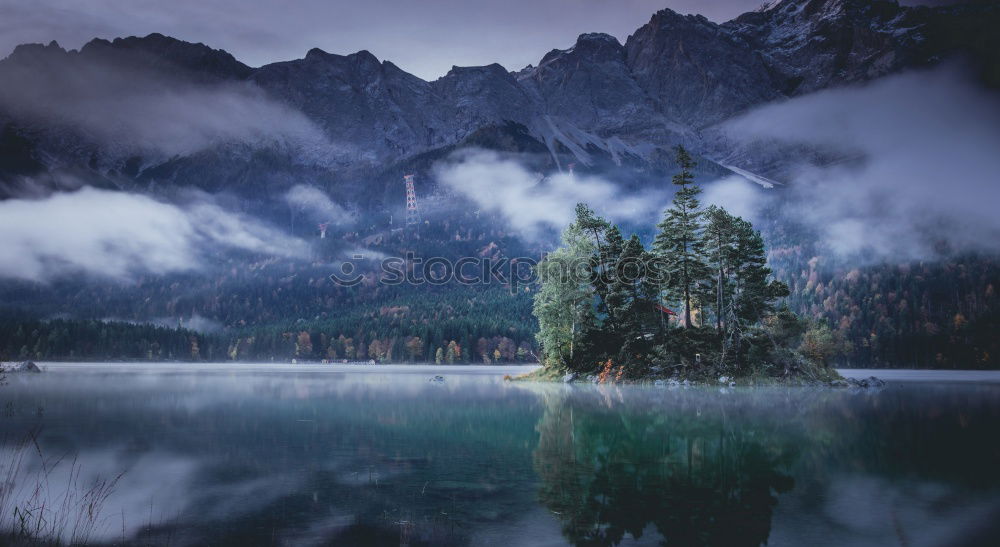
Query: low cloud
737 195
316 204
539 207
116 234
195 322
924 167
129 109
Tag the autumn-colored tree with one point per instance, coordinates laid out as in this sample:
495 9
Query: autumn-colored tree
303 345
375 350
414 348
483 349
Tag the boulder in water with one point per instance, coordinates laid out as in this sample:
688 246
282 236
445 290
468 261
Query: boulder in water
24 366
867 383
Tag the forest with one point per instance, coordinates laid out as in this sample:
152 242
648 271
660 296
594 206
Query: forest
443 325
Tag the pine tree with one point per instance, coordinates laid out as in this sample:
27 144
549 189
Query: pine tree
631 298
679 240
603 270
718 242
591 224
754 291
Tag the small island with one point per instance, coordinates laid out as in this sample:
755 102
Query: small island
700 306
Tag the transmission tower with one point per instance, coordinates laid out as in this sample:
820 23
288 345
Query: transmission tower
412 217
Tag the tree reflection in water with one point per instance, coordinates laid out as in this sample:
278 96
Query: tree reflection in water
692 475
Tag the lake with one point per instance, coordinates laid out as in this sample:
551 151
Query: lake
383 455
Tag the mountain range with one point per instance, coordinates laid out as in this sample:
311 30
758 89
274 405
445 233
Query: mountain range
155 113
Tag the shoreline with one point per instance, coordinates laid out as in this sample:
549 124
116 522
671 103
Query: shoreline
923 375
179 367
888 375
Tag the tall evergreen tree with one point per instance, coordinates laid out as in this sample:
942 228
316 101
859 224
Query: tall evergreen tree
632 296
591 224
603 270
718 242
679 240
754 291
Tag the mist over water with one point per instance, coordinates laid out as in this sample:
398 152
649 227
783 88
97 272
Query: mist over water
231 454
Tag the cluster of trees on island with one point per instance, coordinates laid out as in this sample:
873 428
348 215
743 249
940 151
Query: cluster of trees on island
607 304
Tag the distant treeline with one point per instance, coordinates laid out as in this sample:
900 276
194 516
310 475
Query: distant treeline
445 325
91 340
424 324
920 315
925 315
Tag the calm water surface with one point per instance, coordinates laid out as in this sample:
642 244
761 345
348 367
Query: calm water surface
325 455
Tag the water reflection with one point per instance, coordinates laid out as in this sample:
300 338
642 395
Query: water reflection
913 465
265 457
693 475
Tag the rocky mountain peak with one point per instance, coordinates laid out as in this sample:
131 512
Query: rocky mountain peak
811 43
35 52
167 54
592 47
363 57
478 95
597 44
491 70
824 9
667 18
316 54
699 72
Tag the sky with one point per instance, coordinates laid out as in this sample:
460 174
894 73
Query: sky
424 37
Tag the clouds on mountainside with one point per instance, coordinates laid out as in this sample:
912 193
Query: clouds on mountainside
316 204
924 174
116 234
929 167
196 322
537 208
735 194
133 110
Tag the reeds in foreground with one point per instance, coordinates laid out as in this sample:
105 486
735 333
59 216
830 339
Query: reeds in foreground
34 511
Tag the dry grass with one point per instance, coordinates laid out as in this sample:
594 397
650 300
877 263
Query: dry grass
35 511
